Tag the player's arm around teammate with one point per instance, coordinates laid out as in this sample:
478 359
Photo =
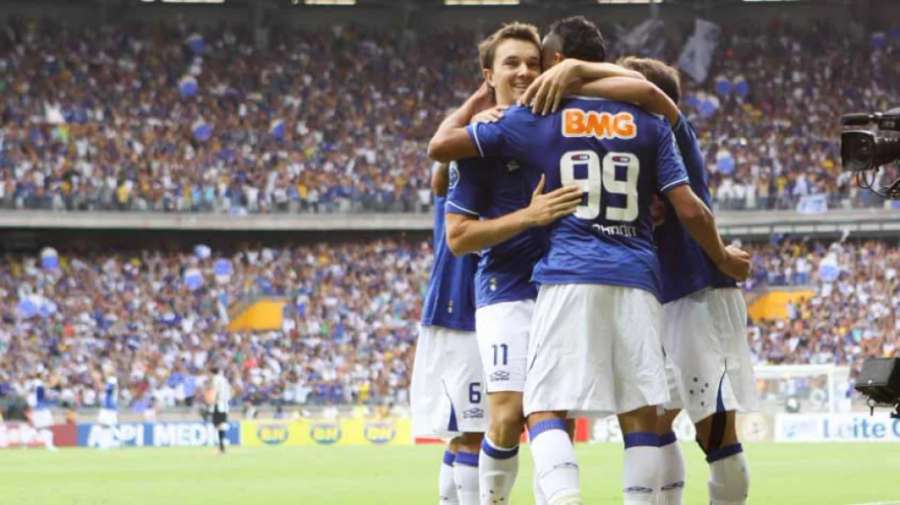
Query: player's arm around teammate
468 234
492 206
701 344
569 77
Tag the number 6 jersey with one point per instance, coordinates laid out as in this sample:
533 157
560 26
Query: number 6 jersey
620 156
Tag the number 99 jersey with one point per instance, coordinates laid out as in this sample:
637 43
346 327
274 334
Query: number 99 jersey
620 156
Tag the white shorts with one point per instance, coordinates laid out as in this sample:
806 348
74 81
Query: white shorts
595 350
446 394
705 338
41 418
108 417
503 330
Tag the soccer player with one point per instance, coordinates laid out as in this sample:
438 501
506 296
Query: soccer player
595 345
108 417
446 390
41 417
704 334
488 210
221 400
705 314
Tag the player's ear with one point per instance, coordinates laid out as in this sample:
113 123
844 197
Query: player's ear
557 57
488 76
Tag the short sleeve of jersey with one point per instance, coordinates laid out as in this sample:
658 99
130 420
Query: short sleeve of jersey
686 139
670 166
507 138
467 192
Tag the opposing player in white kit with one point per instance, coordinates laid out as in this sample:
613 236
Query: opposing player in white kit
704 332
488 211
595 345
221 402
41 417
108 417
447 382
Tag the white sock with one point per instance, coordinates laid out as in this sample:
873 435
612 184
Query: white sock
47 437
446 484
555 467
497 470
104 437
671 483
113 437
640 476
465 474
539 498
729 476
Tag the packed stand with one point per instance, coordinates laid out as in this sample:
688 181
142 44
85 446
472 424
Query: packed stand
769 116
168 118
159 322
852 313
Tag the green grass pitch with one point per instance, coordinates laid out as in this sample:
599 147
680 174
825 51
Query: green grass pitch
822 474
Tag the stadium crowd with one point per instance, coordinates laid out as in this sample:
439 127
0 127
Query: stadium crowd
852 313
160 320
169 118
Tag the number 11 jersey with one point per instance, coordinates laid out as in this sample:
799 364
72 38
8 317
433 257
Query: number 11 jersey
620 156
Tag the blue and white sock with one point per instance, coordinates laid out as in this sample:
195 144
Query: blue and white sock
671 484
729 476
497 470
555 467
465 474
446 483
640 477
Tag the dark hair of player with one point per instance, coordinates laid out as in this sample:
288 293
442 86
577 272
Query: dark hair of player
515 30
579 38
663 76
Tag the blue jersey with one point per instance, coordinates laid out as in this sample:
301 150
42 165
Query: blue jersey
488 189
685 267
620 156
40 397
109 397
449 301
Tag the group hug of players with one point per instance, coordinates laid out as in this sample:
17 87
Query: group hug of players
578 272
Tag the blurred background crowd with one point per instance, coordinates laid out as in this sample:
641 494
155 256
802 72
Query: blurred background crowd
159 320
172 118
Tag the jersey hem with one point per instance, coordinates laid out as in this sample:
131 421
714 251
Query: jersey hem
559 281
449 326
505 300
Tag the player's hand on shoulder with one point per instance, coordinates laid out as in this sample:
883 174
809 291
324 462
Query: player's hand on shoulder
491 115
736 263
547 91
546 208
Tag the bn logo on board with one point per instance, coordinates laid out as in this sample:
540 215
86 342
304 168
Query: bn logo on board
272 434
380 433
325 433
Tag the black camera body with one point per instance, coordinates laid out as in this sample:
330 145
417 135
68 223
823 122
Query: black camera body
865 149
879 381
